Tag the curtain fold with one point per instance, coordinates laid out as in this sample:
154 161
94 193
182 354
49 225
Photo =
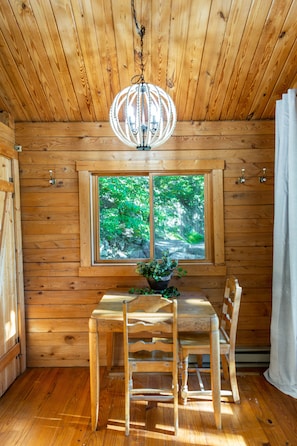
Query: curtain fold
282 371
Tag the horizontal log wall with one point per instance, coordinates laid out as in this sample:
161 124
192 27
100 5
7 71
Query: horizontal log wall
59 302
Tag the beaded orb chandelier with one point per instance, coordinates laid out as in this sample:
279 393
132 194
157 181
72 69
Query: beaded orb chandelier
142 115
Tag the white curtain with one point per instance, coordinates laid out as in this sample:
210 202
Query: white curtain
282 371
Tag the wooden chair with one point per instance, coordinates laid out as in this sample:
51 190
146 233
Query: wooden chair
199 344
146 319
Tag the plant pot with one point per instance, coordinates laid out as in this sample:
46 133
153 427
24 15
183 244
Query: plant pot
158 285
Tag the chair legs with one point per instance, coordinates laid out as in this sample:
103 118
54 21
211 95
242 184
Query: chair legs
233 379
175 407
229 374
225 367
184 386
129 387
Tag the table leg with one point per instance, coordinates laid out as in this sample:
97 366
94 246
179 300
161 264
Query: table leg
215 370
94 371
109 350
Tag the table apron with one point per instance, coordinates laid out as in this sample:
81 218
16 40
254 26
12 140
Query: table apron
183 324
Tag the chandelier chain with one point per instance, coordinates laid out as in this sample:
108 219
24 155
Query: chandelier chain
141 32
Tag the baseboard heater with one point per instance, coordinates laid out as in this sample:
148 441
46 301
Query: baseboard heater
246 357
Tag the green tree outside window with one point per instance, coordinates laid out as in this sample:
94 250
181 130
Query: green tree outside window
125 206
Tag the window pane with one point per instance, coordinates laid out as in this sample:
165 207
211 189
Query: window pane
124 217
179 215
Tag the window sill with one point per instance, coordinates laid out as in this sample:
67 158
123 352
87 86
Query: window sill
129 270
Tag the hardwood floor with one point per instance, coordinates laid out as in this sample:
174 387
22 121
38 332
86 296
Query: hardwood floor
51 407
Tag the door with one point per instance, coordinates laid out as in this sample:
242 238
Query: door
12 336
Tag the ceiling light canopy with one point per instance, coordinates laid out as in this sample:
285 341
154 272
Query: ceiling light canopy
142 115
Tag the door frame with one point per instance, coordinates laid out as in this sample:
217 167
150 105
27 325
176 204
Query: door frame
18 351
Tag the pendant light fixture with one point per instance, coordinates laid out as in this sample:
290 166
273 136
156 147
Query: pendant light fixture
142 115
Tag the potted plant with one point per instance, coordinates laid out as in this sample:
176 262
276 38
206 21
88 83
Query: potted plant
159 272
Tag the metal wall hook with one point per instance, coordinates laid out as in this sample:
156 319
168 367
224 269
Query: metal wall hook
241 179
52 180
263 178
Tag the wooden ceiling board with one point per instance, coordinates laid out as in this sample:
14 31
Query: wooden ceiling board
65 60
212 44
187 56
282 50
287 77
15 80
159 32
55 52
271 32
244 57
33 62
123 30
231 44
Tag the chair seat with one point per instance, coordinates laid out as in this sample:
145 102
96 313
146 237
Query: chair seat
200 338
201 342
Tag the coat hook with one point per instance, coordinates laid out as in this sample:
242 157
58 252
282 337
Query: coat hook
52 180
263 178
241 179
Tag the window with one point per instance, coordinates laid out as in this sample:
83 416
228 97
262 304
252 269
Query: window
130 211
140 216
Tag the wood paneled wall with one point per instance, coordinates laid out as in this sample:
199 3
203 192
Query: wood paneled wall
59 302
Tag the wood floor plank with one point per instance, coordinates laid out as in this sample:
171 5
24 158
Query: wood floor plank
51 407
274 411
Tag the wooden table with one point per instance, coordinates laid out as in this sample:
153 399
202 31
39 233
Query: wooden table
195 313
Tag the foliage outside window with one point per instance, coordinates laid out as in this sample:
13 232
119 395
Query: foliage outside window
172 203
141 216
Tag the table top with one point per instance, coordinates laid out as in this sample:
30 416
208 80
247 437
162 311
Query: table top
194 310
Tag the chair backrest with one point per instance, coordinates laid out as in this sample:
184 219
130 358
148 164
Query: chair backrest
147 319
230 309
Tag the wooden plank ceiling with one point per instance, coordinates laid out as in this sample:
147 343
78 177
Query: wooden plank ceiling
65 60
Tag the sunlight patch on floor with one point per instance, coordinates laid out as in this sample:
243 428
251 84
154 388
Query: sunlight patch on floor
205 406
197 437
163 431
73 416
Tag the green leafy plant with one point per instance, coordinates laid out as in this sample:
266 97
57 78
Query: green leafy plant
160 269
168 292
